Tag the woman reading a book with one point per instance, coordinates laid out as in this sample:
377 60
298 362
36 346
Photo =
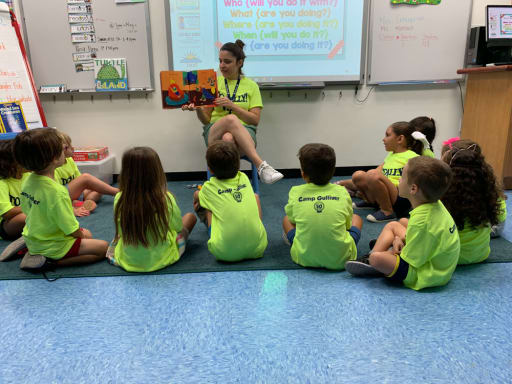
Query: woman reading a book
237 111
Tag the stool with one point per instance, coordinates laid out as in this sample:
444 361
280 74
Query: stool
254 172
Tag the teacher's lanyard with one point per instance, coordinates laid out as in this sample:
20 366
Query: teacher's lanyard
232 98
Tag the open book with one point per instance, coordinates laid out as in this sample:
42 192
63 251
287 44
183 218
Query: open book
192 87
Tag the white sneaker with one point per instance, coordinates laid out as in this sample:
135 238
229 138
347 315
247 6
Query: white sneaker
268 174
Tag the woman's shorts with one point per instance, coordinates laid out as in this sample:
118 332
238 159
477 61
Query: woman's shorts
250 128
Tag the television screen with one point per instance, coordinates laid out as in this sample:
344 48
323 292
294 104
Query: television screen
499 25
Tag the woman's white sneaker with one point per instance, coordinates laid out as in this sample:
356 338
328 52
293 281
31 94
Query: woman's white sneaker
268 174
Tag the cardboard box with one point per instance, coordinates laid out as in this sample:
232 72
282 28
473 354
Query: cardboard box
90 153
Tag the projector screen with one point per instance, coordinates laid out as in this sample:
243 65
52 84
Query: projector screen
286 41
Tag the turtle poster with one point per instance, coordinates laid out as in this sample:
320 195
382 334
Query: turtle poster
110 75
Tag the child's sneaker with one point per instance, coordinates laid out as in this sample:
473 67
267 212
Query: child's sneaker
14 250
34 263
203 218
364 205
380 217
268 174
361 268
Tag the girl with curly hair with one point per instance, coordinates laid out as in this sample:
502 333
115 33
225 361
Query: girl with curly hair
473 198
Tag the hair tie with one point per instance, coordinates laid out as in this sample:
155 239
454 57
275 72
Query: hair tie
450 141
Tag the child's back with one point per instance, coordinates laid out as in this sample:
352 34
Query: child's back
158 254
322 215
431 246
50 218
237 232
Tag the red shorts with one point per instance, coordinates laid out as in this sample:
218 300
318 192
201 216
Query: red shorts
74 249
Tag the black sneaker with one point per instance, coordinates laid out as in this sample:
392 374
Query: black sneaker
203 218
372 243
364 205
361 268
380 217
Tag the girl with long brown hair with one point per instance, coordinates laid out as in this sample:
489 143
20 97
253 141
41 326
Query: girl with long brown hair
150 232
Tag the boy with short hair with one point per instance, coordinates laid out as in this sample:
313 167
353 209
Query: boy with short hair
319 222
231 209
51 230
423 251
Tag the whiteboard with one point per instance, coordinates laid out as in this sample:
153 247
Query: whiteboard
121 30
417 43
15 83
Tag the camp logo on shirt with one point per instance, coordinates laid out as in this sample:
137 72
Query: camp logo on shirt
15 201
237 196
243 98
392 171
67 180
452 229
319 207
31 198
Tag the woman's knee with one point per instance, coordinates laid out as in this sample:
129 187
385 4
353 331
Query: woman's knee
228 137
358 177
231 121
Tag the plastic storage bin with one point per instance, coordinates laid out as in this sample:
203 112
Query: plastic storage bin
102 169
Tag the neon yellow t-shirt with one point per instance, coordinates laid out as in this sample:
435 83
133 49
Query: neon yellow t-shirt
247 96
322 215
67 172
157 255
394 165
237 232
50 218
503 210
10 190
431 246
428 152
474 244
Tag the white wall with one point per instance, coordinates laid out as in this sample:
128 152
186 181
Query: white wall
289 120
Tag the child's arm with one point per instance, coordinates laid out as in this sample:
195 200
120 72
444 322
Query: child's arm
82 233
15 211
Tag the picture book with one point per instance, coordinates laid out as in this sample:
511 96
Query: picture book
12 118
188 87
110 75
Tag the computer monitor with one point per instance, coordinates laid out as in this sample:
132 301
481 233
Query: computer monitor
498 25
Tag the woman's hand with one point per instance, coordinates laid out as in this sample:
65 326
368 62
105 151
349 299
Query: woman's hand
224 102
189 107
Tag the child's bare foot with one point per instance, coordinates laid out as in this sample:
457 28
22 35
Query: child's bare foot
81 211
90 205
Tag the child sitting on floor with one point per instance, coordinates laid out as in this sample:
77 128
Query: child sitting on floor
229 207
473 198
425 248
77 183
11 177
319 223
378 187
150 232
52 233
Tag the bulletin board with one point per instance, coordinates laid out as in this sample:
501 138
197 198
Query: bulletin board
64 36
417 43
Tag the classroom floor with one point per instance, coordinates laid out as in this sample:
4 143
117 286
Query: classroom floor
299 326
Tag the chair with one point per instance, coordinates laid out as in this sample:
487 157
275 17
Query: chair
254 172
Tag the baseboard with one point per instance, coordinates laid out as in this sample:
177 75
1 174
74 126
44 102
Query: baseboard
288 173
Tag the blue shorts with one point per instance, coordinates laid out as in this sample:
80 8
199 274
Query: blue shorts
401 270
353 231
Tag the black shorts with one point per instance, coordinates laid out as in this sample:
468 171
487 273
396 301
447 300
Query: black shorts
4 235
401 207
400 272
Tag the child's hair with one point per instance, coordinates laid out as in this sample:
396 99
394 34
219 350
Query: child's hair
474 191
432 176
35 149
141 211
405 129
425 125
318 162
223 159
237 50
8 166
66 139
